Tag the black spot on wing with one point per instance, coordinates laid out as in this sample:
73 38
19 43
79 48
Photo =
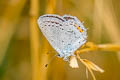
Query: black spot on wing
68 18
52 22
54 17
70 31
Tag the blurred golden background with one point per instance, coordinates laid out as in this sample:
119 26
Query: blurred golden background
24 50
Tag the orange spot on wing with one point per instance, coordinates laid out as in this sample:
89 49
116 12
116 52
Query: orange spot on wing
78 27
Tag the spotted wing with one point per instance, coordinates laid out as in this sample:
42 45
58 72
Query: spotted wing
61 33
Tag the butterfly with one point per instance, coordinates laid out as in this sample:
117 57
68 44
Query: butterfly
65 33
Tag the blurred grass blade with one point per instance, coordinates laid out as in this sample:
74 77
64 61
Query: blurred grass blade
108 17
86 72
110 22
8 25
51 5
97 21
34 40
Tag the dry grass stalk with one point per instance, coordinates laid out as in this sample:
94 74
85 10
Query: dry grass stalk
89 65
89 46
86 67
101 47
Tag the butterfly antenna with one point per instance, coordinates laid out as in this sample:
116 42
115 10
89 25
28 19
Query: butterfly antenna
46 65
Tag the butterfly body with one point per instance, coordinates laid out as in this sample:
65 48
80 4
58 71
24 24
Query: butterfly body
62 33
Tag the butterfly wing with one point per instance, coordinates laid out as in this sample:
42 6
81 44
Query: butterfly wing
61 34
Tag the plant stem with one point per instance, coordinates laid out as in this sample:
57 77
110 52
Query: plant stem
100 47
